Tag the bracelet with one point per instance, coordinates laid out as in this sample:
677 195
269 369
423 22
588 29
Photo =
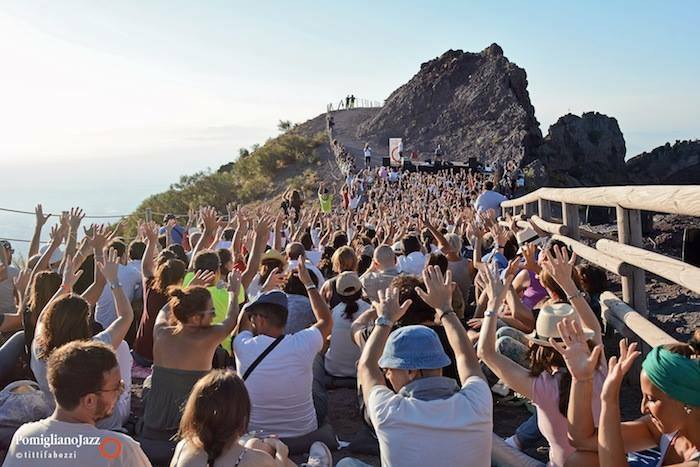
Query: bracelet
115 285
310 287
446 312
489 313
576 295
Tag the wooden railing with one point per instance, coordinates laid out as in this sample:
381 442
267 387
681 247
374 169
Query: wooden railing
624 257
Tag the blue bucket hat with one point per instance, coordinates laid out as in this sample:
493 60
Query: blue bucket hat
414 348
274 297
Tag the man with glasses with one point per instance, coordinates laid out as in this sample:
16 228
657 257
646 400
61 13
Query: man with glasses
85 380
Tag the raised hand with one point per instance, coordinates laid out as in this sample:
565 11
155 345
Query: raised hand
70 274
202 279
210 219
117 229
40 217
303 273
234 281
560 266
149 231
75 217
439 288
574 348
617 369
530 256
495 289
275 281
109 266
98 239
388 305
57 234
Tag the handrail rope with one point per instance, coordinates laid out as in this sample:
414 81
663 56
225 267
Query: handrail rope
115 216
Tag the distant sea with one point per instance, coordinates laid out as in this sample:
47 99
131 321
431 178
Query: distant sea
101 186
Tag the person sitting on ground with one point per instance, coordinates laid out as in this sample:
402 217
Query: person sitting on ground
286 410
129 278
669 382
413 260
341 358
380 274
85 380
184 341
214 421
66 318
344 259
300 312
546 383
159 273
425 416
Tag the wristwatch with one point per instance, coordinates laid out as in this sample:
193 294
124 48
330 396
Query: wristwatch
383 321
310 286
488 313
115 285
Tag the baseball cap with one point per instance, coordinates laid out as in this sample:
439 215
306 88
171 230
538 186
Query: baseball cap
7 245
347 283
274 297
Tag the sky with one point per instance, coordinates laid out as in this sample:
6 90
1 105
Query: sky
184 80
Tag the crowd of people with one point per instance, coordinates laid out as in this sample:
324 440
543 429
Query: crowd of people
404 286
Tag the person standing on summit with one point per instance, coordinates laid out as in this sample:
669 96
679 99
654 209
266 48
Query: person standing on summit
368 156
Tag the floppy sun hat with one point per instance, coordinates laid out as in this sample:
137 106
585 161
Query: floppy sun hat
414 348
547 320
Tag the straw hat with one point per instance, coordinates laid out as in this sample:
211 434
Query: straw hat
274 254
547 320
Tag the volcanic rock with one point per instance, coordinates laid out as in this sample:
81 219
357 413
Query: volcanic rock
676 164
473 104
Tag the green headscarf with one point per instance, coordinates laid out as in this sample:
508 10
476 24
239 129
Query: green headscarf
676 375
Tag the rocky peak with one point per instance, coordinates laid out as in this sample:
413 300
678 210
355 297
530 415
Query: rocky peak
585 150
668 164
473 104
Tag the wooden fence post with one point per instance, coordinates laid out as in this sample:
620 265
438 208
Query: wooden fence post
531 209
571 219
629 228
544 209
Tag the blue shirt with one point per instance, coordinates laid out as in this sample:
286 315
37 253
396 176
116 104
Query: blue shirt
178 233
500 260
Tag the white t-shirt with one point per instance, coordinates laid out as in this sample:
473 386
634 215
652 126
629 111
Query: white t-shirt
280 386
314 256
50 442
453 431
343 353
105 311
412 264
368 152
490 200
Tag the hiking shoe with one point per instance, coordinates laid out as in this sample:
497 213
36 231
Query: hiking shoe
319 455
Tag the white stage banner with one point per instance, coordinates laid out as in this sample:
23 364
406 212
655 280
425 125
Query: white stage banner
394 157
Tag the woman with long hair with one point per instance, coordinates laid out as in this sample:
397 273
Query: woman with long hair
158 273
546 383
341 358
184 342
214 421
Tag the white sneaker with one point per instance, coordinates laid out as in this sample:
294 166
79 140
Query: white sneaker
319 455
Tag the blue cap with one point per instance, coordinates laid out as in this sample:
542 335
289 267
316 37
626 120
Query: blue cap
414 348
274 297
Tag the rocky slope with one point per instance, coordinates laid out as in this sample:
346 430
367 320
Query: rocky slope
668 164
473 104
